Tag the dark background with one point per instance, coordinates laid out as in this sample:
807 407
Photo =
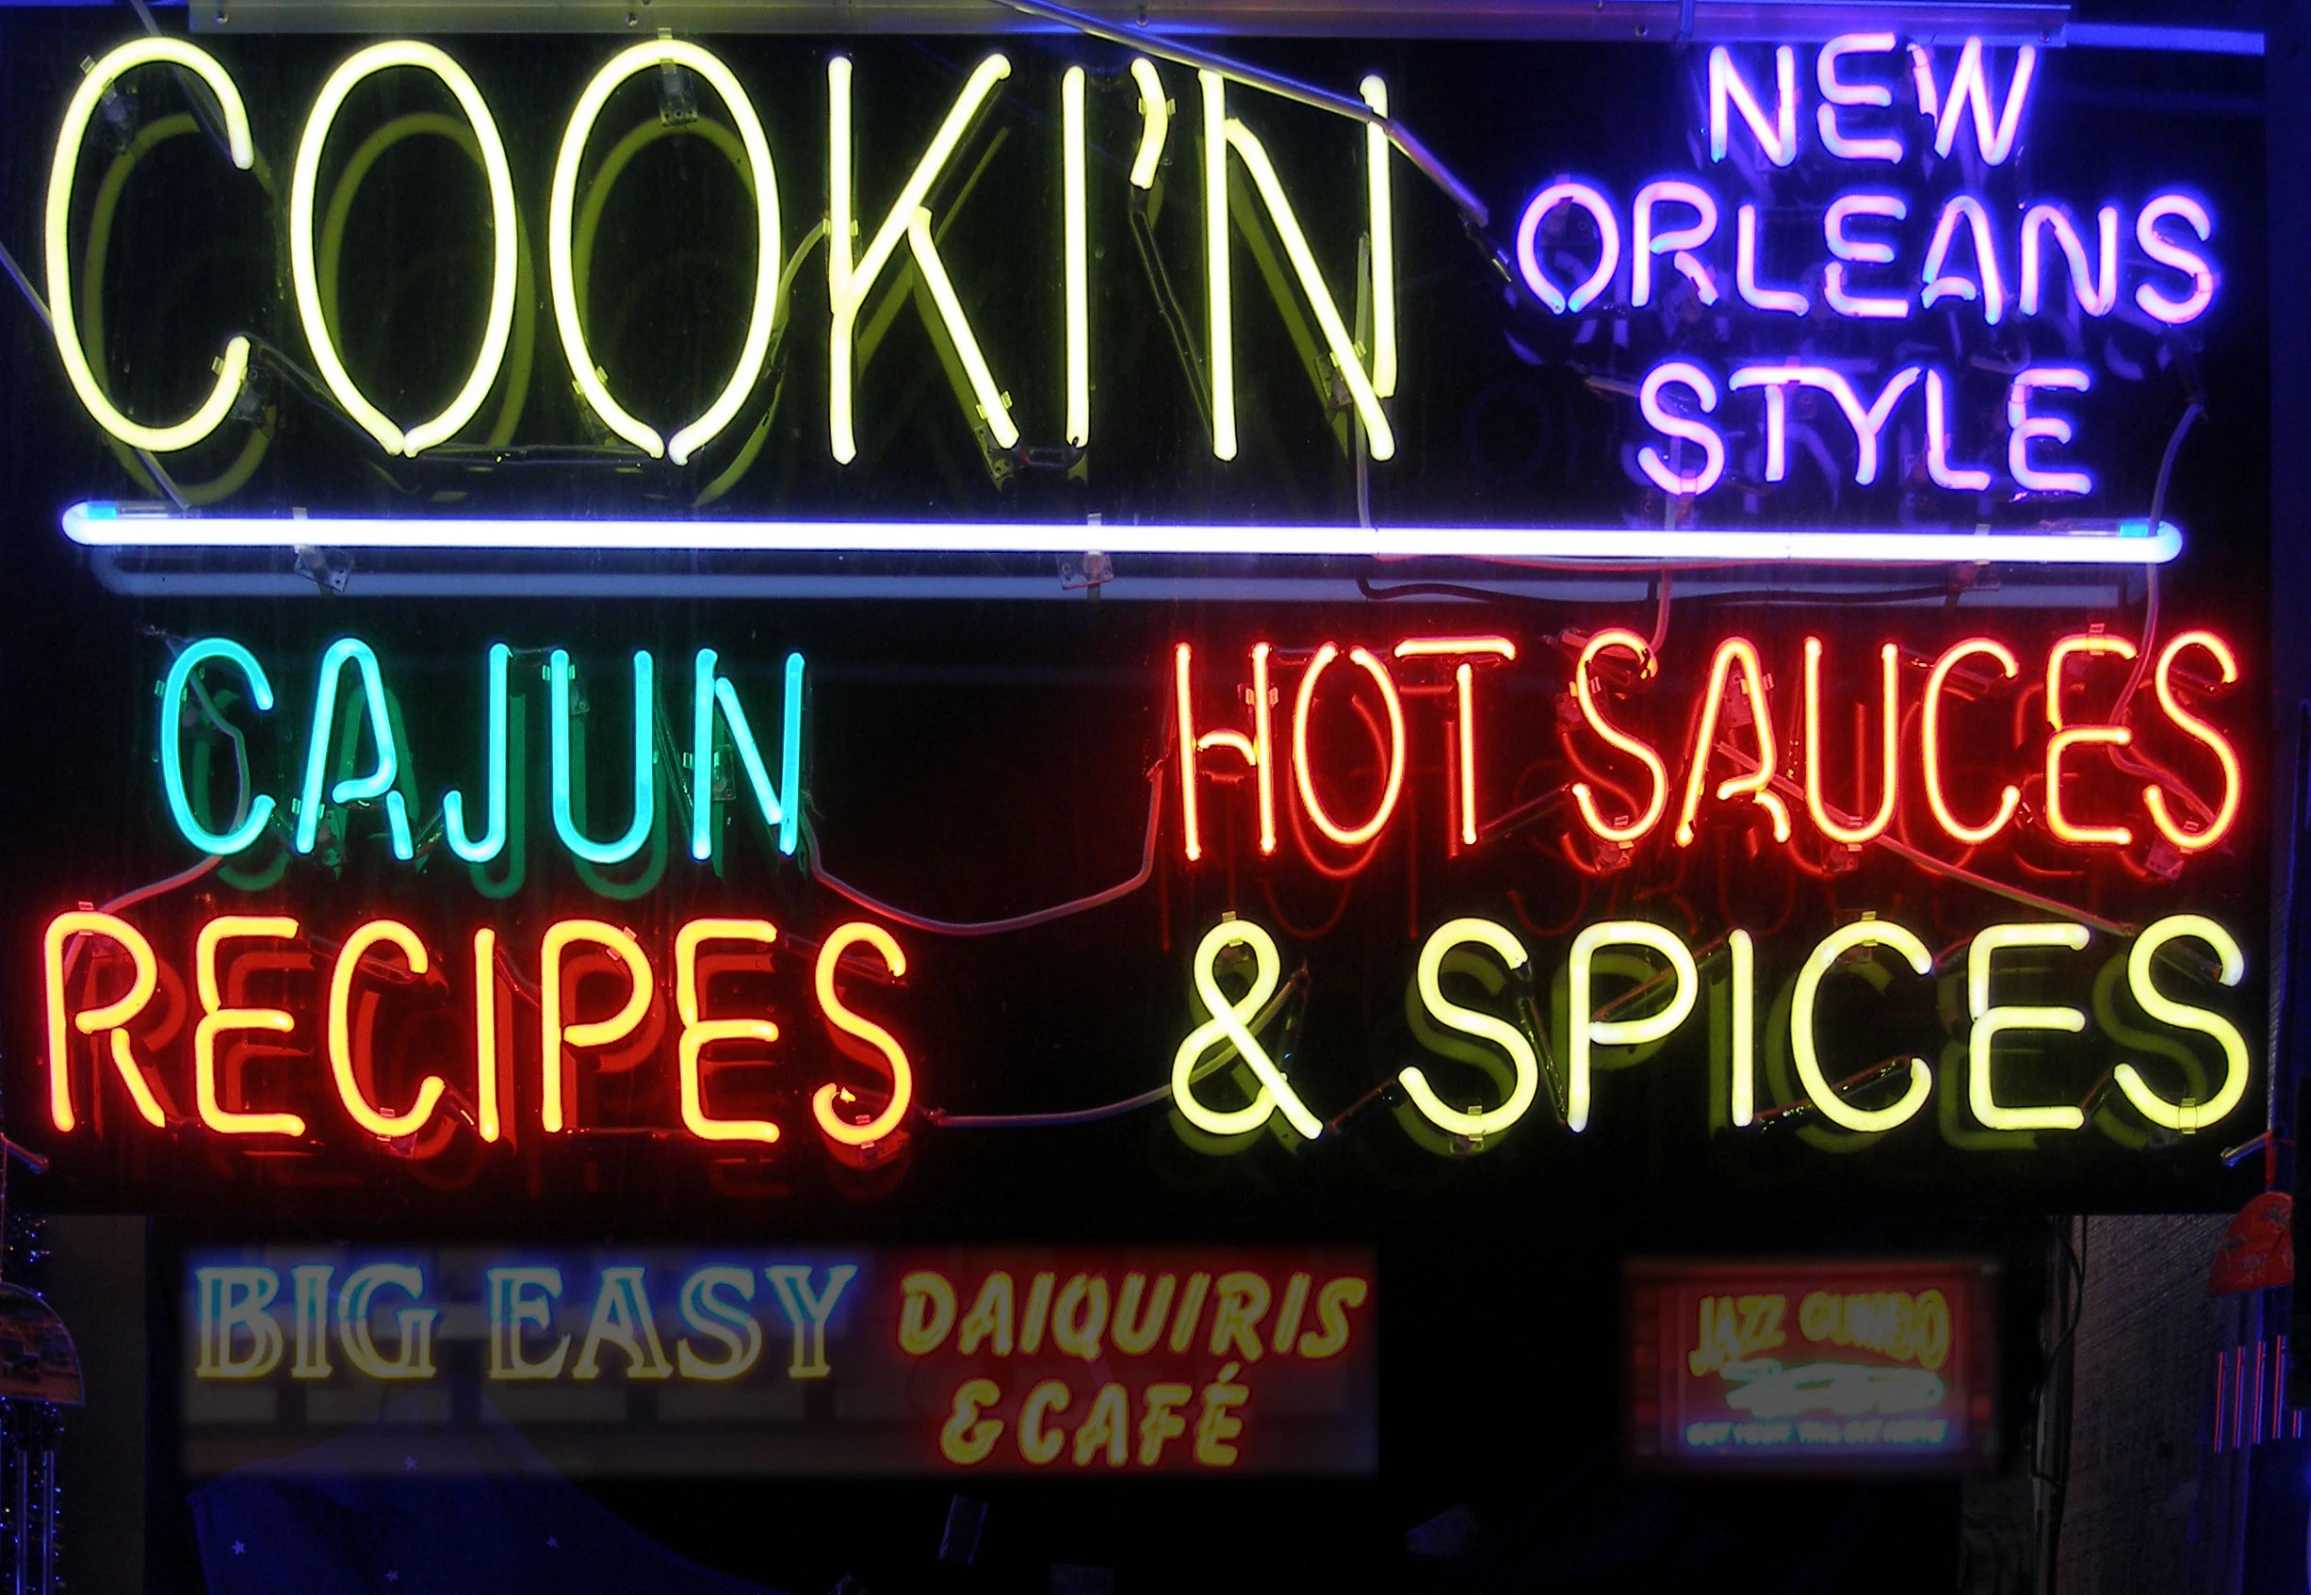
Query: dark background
977 758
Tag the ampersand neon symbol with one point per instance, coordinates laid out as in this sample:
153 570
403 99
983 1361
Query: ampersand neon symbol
1227 1024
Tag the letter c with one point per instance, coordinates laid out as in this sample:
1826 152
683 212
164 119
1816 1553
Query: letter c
233 368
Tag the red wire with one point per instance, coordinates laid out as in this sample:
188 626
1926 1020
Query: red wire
997 927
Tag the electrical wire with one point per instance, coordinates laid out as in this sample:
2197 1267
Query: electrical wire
1042 1121
161 478
209 861
1295 988
2150 622
1481 595
1473 210
998 927
1932 865
2129 760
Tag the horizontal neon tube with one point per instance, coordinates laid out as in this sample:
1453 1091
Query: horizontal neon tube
102 525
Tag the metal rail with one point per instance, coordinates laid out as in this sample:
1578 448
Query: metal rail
2011 22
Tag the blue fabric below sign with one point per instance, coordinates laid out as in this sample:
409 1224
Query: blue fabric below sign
394 1505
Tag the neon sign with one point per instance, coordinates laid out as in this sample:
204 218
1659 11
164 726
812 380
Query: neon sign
1914 873
715 703
1732 721
1926 222
1811 1366
835 1105
1970 241
561 1034
266 1027
980 1361
851 273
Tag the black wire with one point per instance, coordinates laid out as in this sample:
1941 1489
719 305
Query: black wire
1779 596
1761 596
1483 595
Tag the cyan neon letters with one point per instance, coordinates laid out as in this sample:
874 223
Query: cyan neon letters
559 671
352 789
172 772
781 805
453 829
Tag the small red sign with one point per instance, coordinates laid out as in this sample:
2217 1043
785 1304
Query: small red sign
1811 1366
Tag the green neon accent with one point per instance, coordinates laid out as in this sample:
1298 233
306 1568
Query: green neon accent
781 805
352 789
172 770
241 880
495 759
559 672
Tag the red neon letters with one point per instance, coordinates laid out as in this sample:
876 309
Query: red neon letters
384 952
1980 779
1257 748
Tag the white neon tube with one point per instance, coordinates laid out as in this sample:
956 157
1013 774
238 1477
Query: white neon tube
108 525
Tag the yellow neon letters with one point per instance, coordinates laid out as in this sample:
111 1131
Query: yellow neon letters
233 369
1227 1024
593 1033
1861 933
1469 1021
1741 953
1155 121
485 1033
1587 1031
505 232
1078 260
61 933
385 1126
769 247
216 1019
1221 134
1990 1022
1383 219
832 1121
2186 1116
699 1034
850 279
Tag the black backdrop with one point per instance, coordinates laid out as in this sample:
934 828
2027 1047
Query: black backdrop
973 756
